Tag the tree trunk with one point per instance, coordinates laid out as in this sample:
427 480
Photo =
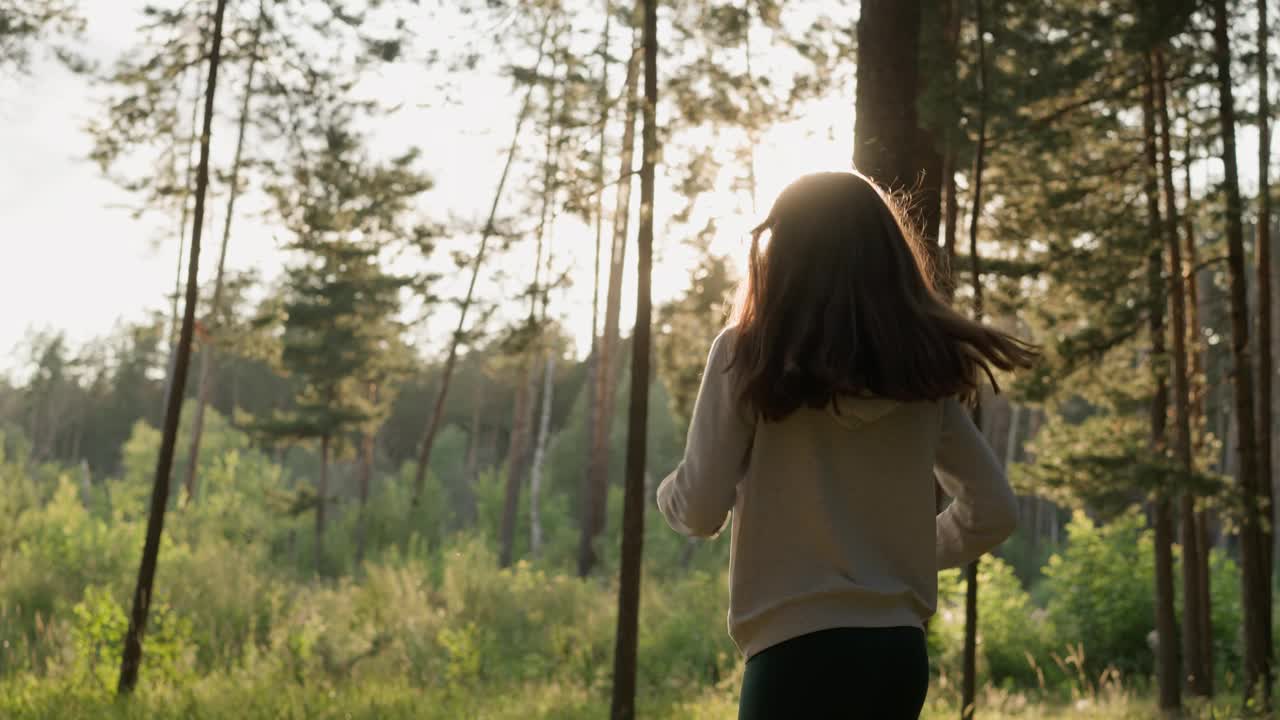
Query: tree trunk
174 320
1011 442
1196 669
204 385
1266 490
889 143
885 125
596 492
517 453
951 40
1037 524
451 361
1167 667
1199 422
625 648
929 146
1255 575
467 513
523 422
143 594
366 476
539 455
593 418
970 677
968 689
322 499
86 484
473 437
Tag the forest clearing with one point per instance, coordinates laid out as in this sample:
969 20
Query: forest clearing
347 342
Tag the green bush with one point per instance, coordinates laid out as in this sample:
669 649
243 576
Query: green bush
1014 636
1226 614
684 644
99 633
1099 590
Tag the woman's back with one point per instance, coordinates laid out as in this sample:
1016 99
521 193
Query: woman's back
834 511
834 523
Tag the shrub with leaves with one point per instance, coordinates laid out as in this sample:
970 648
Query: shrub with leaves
99 632
1099 594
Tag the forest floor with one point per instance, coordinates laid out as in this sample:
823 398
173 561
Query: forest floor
225 697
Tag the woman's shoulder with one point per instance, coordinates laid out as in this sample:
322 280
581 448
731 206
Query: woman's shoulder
724 344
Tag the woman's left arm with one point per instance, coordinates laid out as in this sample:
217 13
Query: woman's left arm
697 497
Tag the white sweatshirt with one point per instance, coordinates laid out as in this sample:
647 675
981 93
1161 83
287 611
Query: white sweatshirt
834 521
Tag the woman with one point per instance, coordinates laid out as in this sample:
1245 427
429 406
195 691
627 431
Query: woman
825 413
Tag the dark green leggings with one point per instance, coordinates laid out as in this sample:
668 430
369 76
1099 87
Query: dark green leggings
873 673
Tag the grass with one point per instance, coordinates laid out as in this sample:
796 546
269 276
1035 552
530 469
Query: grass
242 696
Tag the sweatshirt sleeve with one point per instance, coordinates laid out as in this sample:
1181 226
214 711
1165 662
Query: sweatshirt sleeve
984 511
697 497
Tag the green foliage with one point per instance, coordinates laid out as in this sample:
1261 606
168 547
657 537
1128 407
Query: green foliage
98 637
1226 612
1016 638
1099 590
1013 629
85 551
1101 462
341 338
24 26
428 626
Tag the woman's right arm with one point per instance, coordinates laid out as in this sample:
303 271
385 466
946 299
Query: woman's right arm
984 511
697 497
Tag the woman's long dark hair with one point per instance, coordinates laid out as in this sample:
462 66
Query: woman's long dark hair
842 300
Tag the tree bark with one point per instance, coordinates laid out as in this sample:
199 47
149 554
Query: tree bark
86 485
596 492
467 511
204 385
322 499
366 478
473 437
1199 422
968 689
1011 441
1255 575
1266 488
1196 669
951 40
174 320
970 669
886 126
890 145
517 454
593 418
539 455
451 360
625 648
1167 666
142 595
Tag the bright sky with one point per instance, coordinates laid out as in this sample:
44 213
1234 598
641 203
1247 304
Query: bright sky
76 259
